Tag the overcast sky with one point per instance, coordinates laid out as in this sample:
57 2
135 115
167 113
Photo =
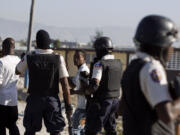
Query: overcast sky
89 13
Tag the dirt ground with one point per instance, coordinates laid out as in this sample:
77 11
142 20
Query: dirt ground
21 107
22 94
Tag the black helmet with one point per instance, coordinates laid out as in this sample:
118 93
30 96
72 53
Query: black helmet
157 31
103 43
103 46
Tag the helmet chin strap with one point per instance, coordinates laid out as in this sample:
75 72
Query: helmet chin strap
163 58
101 53
163 61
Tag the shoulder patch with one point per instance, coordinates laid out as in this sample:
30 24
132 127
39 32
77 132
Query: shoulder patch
98 65
156 75
22 60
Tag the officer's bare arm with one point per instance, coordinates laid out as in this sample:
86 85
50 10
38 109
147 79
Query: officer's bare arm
168 111
66 95
65 88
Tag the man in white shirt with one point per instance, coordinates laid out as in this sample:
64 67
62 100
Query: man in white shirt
45 70
8 90
80 112
148 108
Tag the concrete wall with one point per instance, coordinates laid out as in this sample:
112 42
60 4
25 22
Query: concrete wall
90 54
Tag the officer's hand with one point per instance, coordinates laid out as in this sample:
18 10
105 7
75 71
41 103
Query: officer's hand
72 91
84 85
69 110
87 92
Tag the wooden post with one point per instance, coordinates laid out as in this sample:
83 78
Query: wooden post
30 27
26 78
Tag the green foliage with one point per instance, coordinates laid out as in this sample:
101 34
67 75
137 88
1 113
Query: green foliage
22 43
98 34
57 44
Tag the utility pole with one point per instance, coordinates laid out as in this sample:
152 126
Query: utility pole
30 26
26 78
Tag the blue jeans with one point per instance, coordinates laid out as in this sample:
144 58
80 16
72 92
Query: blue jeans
78 115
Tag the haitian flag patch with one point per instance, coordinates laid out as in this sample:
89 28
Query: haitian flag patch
156 76
22 60
98 65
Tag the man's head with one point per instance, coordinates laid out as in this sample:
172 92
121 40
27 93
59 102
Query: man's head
43 39
155 35
103 46
8 46
79 57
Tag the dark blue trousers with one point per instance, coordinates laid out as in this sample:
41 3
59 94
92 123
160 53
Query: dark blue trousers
102 114
47 108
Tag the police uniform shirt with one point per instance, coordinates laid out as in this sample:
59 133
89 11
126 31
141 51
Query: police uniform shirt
22 65
81 104
98 69
8 80
153 80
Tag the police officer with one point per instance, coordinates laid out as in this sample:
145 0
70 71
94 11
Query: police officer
45 70
104 89
148 108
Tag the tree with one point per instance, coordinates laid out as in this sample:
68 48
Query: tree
57 44
98 34
22 43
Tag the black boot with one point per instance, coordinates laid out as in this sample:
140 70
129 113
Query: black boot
2 131
13 129
29 133
111 133
55 133
87 132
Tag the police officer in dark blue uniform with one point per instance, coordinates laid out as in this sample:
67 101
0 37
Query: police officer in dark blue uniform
46 69
148 108
104 89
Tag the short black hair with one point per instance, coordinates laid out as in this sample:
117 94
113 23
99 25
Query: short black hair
8 46
8 43
82 52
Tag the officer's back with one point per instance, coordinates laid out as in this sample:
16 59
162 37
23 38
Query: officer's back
45 69
104 89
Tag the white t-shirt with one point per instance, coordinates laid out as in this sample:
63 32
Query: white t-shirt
153 80
8 80
22 65
98 69
81 104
